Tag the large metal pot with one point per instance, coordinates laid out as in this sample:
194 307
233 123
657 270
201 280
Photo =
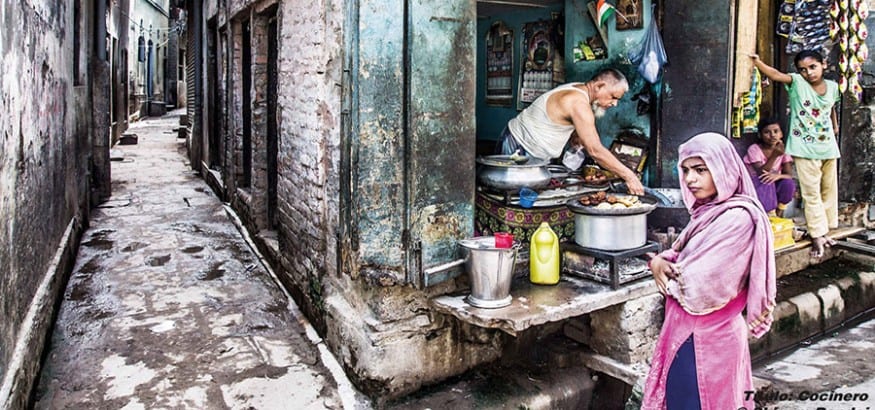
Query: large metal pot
611 229
503 173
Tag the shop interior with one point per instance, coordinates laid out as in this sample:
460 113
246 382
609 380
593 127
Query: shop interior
543 39
527 47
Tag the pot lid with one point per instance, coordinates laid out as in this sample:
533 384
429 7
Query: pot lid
508 162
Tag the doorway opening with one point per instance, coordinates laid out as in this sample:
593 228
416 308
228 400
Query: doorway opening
214 131
246 96
272 134
503 28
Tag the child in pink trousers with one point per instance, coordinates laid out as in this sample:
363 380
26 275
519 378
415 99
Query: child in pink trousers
770 168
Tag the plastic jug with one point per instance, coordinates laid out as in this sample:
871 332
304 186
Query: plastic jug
544 256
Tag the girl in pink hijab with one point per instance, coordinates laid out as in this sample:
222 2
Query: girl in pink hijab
721 264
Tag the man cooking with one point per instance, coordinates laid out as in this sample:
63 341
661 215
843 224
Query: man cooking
568 112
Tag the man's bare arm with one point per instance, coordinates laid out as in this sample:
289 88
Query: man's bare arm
587 136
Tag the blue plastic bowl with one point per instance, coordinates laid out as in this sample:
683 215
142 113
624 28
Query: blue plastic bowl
527 197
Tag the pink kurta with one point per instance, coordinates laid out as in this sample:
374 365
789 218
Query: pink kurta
727 265
722 356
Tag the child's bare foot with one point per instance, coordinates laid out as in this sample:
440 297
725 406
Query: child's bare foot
819 244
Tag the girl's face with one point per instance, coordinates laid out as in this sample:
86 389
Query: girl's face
697 178
810 69
771 134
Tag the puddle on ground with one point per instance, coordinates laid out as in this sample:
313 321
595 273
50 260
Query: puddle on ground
134 246
157 260
98 240
215 272
89 267
192 249
186 227
101 244
78 292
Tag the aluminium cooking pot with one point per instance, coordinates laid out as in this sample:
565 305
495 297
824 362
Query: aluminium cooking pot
503 173
611 229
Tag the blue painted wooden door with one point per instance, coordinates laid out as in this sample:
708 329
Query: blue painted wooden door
409 156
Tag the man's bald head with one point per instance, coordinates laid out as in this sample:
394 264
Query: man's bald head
612 77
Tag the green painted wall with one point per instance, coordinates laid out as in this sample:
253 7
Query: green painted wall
578 26
492 120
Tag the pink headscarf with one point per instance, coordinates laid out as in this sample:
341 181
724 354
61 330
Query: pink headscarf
711 272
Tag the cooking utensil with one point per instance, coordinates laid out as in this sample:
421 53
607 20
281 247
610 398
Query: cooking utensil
647 204
673 213
611 229
503 173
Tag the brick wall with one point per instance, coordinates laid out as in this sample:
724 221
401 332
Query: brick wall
309 97
45 156
384 336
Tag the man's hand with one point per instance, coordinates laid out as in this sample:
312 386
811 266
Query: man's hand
634 186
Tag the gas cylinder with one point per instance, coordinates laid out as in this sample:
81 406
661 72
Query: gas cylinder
544 256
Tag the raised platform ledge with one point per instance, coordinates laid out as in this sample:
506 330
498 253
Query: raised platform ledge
534 305
795 258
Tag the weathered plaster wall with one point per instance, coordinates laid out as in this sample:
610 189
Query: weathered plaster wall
857 170
46 144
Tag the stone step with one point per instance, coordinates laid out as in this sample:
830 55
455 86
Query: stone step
815 301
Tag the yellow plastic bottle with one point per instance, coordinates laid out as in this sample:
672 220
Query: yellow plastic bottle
544 256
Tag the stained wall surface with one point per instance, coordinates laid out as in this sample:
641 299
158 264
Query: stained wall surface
46 92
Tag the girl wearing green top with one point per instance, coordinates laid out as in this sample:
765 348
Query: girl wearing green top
812 141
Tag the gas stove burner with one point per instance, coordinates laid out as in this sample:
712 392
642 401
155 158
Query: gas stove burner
614 268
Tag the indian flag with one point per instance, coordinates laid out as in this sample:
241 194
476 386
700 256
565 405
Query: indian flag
605 9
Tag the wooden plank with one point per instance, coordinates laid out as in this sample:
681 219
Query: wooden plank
745 43
856 247
798 257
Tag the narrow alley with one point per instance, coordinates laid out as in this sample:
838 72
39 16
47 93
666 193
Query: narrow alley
168 306
436 204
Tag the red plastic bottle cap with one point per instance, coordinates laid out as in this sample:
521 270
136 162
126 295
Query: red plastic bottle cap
503 240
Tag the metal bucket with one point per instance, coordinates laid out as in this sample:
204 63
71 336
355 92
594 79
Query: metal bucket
490 271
